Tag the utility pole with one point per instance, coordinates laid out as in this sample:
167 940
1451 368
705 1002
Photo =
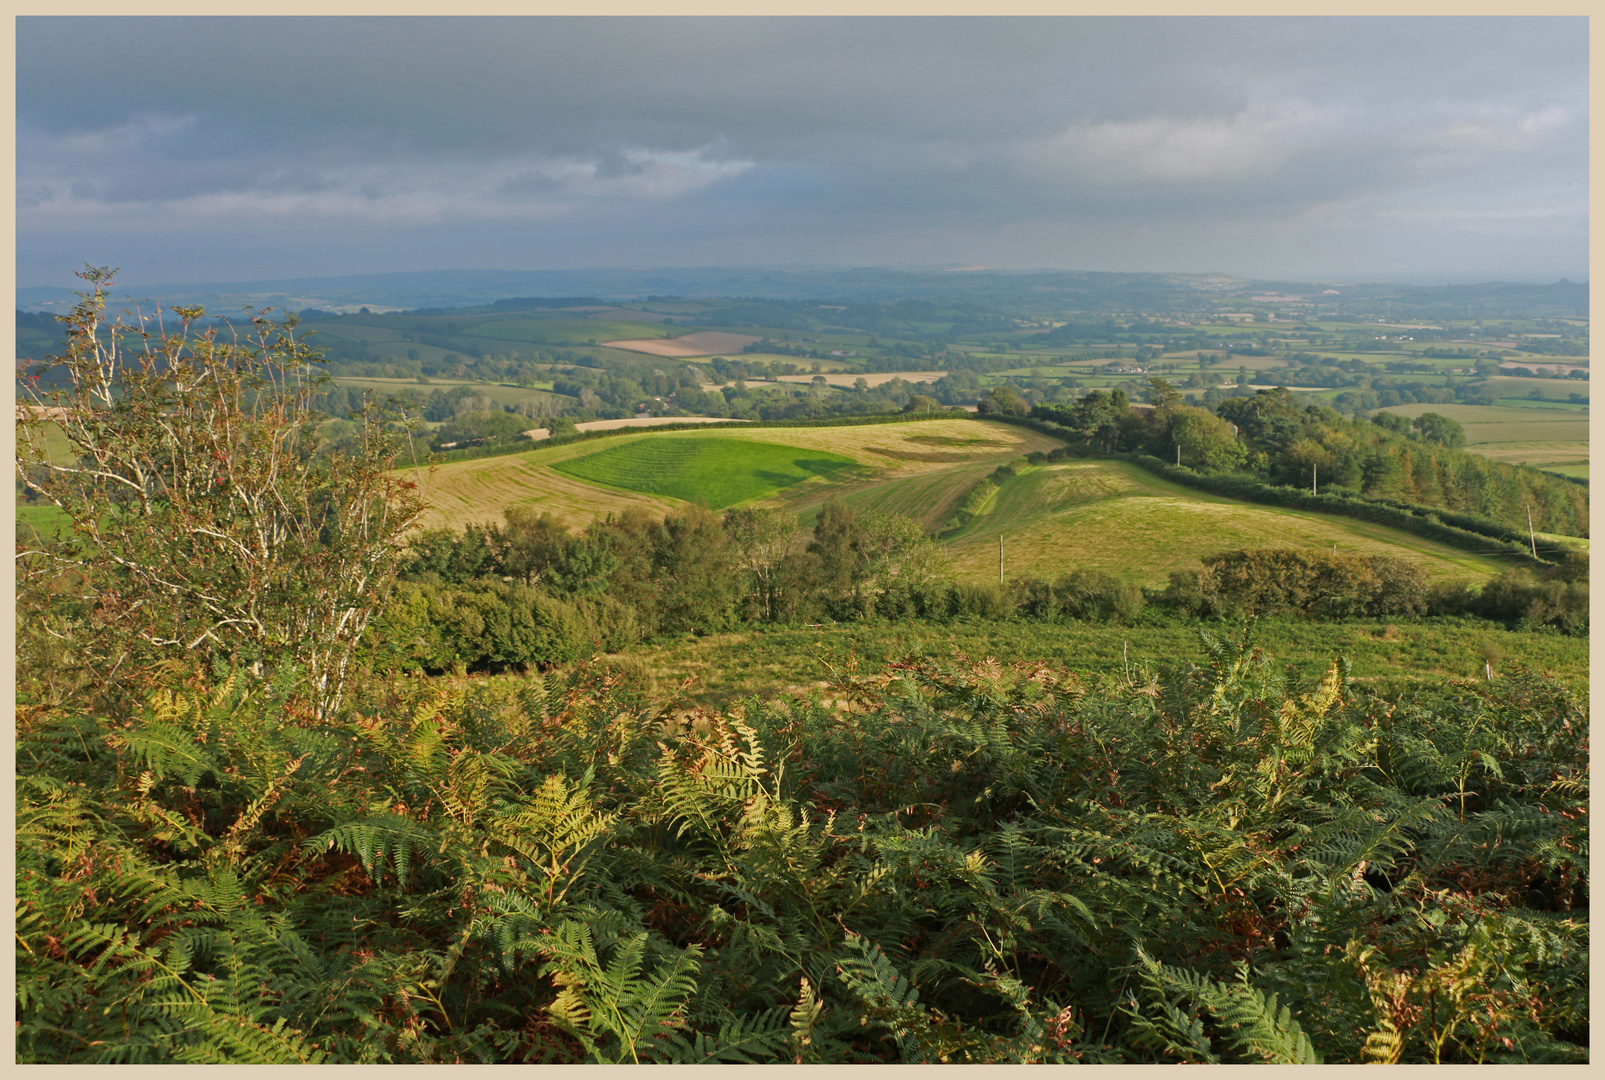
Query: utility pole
1315 472
1531 538
1178 455
1000 560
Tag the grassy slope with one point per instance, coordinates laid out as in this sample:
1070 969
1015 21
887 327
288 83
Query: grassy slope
56 445
1099 514
1113 516
38 522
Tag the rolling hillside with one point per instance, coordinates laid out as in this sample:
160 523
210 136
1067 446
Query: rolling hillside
939 453
1053 518
1110 515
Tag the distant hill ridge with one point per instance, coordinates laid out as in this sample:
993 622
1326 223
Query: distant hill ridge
1006 289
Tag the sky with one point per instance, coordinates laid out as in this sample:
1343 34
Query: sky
241 149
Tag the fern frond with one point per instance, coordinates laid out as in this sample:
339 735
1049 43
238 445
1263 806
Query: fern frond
1252 1024
619 1002
379 837
750 1040
165 750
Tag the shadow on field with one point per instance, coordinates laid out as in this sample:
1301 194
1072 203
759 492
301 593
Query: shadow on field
820 466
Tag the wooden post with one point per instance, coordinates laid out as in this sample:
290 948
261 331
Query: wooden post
1000 560
1315 471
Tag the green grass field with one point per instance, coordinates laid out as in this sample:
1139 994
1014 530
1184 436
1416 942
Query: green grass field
719 472
45 522
1548 389
1543 406
1113 516
350 331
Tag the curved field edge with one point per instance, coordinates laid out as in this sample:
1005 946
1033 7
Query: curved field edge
704 423
1117 517
714 471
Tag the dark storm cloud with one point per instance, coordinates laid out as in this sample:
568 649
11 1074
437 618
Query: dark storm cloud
1255 145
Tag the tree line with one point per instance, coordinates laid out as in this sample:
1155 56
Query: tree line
1283 442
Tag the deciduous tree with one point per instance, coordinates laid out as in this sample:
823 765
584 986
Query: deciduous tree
202 516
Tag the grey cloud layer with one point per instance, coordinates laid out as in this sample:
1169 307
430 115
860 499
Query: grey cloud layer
1017 141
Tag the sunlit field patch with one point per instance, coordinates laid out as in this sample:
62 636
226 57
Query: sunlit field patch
718 472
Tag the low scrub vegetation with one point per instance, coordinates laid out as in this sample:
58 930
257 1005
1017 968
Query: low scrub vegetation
968 863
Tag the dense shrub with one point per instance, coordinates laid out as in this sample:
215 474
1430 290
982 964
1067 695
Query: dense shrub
484 623
960 864
1518 596
1096 595
1269 580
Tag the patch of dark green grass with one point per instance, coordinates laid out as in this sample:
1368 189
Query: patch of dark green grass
716 472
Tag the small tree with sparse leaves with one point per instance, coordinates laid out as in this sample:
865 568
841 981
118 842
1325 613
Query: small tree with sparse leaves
202 516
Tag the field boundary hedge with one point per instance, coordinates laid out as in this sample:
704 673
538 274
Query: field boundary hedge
1468 532
692 424
979 493
1489 538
